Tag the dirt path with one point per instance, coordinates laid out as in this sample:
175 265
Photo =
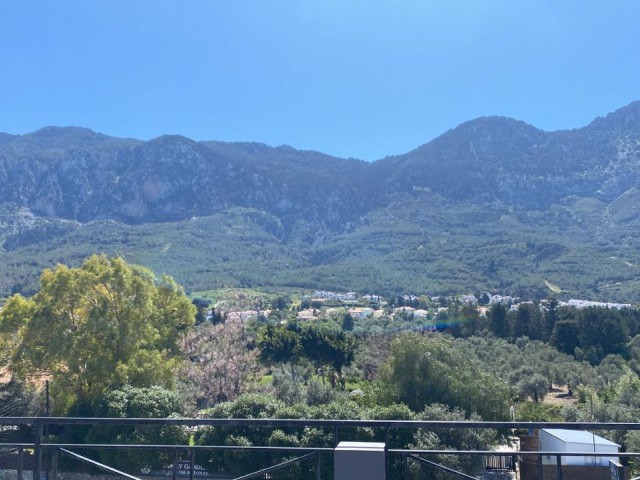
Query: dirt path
559 395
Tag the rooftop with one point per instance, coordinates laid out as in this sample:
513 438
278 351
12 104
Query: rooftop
578 436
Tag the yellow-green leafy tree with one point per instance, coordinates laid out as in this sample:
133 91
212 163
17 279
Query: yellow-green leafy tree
101 326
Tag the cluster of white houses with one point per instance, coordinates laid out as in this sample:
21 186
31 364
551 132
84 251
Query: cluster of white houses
352 304
341 297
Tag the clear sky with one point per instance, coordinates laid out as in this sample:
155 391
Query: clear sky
352 78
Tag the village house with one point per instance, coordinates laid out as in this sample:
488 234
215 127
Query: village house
420 313
360 313
409 311
594 465
308 314
372 298
342 297
244 316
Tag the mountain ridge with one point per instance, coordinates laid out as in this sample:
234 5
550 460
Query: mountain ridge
563 195
628 115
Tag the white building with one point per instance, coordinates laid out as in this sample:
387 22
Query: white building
560 440
361 313
309 314
409 311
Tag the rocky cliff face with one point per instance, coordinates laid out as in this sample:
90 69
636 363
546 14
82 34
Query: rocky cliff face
498 159
76 174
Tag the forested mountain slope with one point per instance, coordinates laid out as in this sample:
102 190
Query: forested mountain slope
492 204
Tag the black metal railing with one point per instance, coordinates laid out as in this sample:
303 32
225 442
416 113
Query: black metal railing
41 445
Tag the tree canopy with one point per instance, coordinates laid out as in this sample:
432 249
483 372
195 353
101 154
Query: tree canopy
103 325
423 370
319 345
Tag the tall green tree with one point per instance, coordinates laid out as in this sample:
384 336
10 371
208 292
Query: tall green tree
101 326
551 317
498 320
565 336
347 322
321 346
280 344
527 321
472 323
328 346
422 370
601 332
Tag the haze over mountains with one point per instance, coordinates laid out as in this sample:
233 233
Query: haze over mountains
493 204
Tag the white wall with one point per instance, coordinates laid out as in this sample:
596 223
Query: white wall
550 443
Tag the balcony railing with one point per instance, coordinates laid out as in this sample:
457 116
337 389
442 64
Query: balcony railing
45 451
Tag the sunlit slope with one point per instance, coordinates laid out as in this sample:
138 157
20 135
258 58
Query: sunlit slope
494 204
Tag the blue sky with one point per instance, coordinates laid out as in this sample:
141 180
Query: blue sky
355 78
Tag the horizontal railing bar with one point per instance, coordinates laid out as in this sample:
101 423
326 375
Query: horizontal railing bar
328 449
185 447
514 453
397 451
234 422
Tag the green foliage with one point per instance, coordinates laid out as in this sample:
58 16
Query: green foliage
279 344
427 369
320 345
510 250
601 332
531 384
258 406
538 412
527 321
565 336
347 322
452 439
516 362
288 389
320 394
19 399
103 325
498 320
238 462
328 346
132 402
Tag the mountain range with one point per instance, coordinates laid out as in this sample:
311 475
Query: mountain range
493 205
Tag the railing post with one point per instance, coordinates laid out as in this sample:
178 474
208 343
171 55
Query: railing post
192 453
20 461
405 466
336 439
386 452
318 466
37 450
559 467
175 464
539 465
54 464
